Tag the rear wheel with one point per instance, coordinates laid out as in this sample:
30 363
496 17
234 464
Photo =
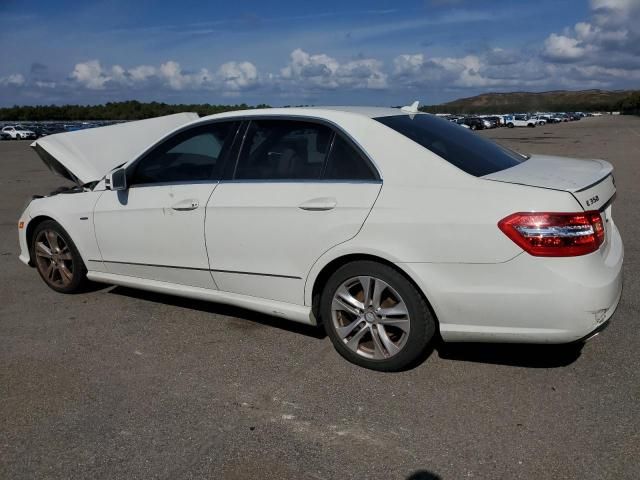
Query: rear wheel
57 259
510 125
375 317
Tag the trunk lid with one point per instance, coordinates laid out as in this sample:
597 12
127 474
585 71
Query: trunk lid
589 181
85 156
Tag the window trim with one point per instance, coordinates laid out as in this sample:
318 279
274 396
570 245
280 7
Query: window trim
226 154
335 129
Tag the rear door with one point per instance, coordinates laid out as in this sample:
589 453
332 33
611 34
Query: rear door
298 189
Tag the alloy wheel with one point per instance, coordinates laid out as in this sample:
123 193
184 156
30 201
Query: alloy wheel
370 317
53 258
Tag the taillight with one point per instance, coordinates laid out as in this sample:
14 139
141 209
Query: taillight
547 234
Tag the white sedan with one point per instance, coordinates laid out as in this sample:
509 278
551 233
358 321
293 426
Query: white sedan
390 227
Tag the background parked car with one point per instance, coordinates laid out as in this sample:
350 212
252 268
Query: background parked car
19 133
540 120
495 120
521 121
475 123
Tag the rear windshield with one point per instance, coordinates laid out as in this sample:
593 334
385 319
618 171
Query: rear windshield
457 145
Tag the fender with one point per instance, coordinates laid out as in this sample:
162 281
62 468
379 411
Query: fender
76 220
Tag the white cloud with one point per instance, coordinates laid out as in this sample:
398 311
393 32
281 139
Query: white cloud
463 72
90 74
313 70
237 76
14 80
231 76
364 73
320 71
563 48
142 73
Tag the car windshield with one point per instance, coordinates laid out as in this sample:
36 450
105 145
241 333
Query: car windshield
466 150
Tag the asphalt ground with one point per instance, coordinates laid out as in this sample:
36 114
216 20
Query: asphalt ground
117 383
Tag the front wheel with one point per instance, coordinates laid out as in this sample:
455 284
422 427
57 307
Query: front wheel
510 125
57 259
375 317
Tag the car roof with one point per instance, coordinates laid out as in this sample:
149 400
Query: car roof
369 112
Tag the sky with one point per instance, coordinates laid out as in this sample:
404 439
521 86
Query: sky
295 52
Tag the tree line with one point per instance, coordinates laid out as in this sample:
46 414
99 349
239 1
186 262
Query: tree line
134 110
129 110
631 104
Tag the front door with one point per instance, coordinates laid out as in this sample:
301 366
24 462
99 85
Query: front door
155 229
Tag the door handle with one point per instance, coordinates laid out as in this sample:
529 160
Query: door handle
319 204
186 205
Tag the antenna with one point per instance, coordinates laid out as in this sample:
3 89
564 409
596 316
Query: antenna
413 108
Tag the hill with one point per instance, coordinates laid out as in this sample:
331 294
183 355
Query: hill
557 100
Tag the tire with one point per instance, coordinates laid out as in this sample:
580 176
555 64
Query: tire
473 127
57 259
384 342
510 125
531 125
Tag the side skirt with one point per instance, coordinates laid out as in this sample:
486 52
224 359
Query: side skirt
296 313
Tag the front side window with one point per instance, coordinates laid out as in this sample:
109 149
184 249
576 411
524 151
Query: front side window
192 155
464 149
283 150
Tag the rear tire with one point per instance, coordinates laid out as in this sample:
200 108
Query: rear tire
510 125
375 317
57 259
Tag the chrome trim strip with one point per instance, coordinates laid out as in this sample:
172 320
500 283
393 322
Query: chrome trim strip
570 231
316 180
258 274
198 269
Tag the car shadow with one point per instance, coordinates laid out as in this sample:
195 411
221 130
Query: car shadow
221 309
424 475
518 355
511 354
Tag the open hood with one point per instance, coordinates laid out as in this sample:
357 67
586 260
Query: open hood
86 156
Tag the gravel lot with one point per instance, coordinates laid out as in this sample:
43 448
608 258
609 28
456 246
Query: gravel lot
118 383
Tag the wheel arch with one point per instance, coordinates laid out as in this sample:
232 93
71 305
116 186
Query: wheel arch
44 216
334 264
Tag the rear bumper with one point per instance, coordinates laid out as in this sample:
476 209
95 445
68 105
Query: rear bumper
527 299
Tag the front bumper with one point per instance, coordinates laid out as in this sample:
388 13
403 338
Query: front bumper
25 218
526 299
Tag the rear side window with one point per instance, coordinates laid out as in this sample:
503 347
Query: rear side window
466 150
283 150
346 163
192 155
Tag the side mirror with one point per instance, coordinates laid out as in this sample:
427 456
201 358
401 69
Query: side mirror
117 180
